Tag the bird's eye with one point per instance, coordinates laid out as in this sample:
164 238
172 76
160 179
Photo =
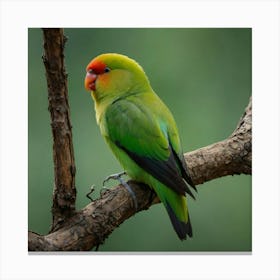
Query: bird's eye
107 69
90 71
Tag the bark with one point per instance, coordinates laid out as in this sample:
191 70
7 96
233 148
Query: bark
90 226
64 193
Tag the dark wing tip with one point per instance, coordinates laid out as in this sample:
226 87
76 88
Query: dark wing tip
182 229
184 170
188 191
187 177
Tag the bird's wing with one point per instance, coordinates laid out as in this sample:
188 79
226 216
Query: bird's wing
135 129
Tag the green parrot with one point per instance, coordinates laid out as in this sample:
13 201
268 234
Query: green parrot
141 132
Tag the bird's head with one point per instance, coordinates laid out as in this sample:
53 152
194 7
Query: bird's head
113 75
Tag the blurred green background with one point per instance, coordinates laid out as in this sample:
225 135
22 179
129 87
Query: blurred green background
203 75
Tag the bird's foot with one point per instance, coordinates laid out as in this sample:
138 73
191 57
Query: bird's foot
118 176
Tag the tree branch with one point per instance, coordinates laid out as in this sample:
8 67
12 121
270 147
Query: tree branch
64 194
228 157
90 226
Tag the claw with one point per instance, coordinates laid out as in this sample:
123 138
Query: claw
118 176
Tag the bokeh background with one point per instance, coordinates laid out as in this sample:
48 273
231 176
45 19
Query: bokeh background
203 75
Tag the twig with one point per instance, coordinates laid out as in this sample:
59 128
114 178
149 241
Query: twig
90 192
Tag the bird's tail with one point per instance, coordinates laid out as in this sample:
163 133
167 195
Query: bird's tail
176 206
182 228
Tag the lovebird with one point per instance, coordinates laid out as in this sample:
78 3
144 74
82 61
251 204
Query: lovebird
141 132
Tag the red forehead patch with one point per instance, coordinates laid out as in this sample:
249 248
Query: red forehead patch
97 66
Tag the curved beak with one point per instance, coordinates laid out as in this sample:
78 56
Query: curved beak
90 81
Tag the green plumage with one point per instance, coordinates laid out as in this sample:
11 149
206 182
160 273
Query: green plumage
143 135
